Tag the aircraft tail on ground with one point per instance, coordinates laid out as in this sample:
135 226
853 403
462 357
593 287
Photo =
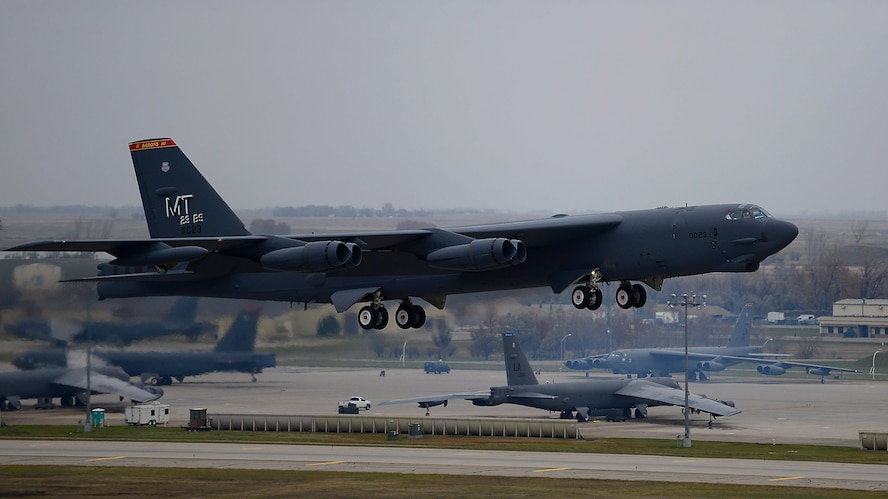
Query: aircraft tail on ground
178 200
518 370
241 336
740 334
183 312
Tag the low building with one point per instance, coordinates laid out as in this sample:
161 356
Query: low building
860 318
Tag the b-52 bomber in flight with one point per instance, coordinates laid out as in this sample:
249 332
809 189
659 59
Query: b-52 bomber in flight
199 247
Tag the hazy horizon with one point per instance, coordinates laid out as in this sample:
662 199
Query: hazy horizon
518 106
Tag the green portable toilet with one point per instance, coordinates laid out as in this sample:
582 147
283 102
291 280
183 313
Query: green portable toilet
98 417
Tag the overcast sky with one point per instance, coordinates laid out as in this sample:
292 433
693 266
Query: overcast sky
515 105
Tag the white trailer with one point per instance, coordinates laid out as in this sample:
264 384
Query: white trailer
147 414
776 317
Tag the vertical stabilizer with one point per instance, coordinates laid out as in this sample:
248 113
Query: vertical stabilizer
241 336
178 200
518 370
740 334
183 312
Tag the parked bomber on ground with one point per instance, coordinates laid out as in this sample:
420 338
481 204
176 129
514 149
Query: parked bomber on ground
234 352
702 361
70 385
179 320
588 398
199 247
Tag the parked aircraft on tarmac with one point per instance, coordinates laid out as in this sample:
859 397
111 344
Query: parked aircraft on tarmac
234 352
592 397
199 247
179 320
702 360
70 385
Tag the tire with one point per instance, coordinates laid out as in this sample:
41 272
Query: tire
405 317
581 297
367 317
595 300
625 297
420 317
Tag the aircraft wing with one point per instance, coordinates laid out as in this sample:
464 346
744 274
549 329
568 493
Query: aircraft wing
116 246
103 383
645 389
476 395
817 369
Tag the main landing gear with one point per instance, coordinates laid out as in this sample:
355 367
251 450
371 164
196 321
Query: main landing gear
588 295
375 316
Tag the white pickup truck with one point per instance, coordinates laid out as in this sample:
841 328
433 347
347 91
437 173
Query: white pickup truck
353 405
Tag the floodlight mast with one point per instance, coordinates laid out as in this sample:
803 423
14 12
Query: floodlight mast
685 301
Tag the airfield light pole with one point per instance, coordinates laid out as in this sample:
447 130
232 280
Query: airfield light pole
404 352
685 301
562 345
87 427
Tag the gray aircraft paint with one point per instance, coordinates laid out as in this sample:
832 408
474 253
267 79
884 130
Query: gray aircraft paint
198 247
233 352
69 384
588 398
702 360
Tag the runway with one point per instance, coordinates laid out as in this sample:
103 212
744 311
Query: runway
403 459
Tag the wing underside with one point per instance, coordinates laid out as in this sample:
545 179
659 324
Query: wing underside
105 384
643 389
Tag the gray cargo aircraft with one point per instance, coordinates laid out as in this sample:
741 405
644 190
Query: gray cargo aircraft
199 247
702 360
179 320
234 352
589 398
69 384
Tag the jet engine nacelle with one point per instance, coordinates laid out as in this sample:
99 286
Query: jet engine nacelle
316 256
160 254
583 364
481 254
710 365
770 370
485 402
432 403
818 371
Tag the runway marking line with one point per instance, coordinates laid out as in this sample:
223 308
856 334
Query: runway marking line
546 470
687 460
105 458
252 448
785 478
325 463
40 445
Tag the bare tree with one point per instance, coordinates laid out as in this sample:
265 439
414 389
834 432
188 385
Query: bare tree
858 230
808 347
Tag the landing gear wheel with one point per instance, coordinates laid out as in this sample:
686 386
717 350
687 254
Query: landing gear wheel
581 297
419 316
595 300
367 317
625 296
382 318
405 317
640 295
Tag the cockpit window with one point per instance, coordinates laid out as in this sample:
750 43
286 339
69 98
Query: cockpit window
747 211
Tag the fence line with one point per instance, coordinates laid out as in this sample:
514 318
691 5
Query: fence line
350 423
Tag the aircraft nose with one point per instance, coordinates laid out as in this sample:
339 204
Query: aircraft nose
781 232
